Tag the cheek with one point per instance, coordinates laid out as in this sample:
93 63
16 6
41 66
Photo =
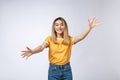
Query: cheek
63 27
55 27
60 28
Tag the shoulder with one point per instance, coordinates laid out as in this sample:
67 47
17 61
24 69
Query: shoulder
47 40
71 39
48 37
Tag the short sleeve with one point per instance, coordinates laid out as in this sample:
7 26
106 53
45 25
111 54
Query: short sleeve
47 40
72 40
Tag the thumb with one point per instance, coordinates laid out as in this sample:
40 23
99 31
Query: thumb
28 48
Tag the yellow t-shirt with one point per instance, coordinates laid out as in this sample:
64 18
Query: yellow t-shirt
59 53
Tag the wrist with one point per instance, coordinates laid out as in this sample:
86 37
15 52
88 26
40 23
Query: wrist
89 27
32 52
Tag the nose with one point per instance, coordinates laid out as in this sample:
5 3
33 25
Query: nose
60 26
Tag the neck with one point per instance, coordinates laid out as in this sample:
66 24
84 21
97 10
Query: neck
59 36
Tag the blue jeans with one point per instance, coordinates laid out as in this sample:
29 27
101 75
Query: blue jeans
60 72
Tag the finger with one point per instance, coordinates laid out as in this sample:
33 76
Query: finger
28 48
96 22
23 56
89 20
27 57
95 19
23 51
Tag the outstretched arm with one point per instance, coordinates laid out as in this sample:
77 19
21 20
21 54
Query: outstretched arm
27 53
91 24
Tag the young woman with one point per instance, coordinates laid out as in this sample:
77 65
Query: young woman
60 44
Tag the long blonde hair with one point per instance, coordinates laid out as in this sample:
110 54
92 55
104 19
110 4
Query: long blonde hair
65 33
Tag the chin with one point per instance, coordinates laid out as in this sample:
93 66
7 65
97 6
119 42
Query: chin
59 32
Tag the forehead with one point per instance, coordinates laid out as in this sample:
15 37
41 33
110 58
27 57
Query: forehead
58 21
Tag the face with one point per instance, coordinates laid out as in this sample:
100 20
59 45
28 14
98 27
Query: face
59 27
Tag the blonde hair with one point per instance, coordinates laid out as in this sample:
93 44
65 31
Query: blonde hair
65 33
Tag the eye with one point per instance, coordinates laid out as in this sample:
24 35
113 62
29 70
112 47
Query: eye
56 24
61 24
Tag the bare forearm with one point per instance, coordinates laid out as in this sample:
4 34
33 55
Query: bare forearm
37 49
82 35
92 23
85 33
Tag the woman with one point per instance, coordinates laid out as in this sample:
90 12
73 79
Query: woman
60 44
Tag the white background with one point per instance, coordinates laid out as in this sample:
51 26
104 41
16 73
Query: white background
28 22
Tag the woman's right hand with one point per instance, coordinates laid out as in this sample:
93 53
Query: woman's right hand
26 53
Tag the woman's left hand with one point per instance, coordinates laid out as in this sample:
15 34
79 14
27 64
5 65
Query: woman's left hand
93 22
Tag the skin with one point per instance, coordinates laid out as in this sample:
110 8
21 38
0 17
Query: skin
59 28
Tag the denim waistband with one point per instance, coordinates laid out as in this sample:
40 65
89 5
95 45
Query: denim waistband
60 66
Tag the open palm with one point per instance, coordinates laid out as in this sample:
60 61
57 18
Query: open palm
93 22
27 53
